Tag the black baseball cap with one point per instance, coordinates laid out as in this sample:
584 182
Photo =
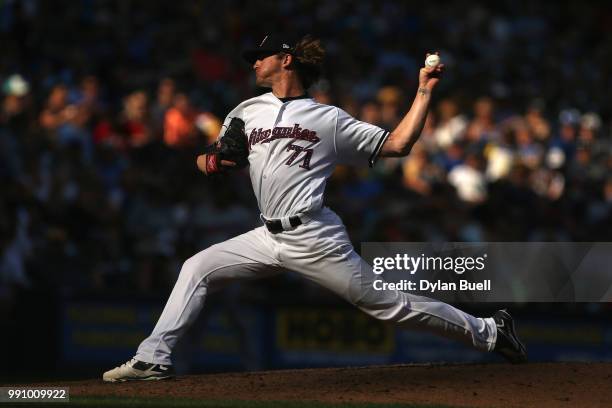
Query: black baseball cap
270 45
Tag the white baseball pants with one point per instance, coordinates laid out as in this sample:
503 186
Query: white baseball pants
321 251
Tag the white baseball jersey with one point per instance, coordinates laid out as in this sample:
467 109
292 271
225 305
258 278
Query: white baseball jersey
294 147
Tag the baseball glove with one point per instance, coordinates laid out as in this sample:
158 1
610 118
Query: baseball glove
232 148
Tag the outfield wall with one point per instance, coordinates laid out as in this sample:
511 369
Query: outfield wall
261 337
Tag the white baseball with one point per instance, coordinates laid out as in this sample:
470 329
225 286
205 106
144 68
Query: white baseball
432 60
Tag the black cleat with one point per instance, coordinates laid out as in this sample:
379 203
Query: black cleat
508 343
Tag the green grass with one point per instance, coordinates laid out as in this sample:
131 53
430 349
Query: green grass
180 402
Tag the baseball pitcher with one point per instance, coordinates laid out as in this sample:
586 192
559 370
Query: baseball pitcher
292 145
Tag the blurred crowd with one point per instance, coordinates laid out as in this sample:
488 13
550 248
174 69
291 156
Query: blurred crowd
105 105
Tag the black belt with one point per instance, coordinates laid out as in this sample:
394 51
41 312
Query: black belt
276 226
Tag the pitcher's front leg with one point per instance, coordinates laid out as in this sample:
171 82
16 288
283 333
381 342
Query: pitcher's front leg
247 256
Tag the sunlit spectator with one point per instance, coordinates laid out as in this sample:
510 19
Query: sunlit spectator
452 156
415 172
483 127
184 126
55 112
15 104
451 124
136 122
589 135
536 122
469 181
500 156
590 123
166 91
16 85
66 122
179 124
528 151
427 139
563 145
209 126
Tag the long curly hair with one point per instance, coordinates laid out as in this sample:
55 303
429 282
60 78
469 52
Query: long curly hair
309 56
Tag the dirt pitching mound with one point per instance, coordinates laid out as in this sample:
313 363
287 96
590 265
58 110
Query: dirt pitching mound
491 385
